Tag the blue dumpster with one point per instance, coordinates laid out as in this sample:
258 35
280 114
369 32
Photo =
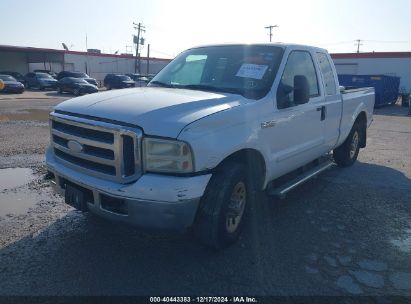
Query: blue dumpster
386 87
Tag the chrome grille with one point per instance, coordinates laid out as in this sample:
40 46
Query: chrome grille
97 148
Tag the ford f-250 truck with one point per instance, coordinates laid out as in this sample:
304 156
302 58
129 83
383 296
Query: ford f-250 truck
217 126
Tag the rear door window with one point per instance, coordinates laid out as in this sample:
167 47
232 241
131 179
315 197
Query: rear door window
328 74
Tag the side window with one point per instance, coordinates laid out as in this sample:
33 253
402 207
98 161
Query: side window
327 71
299 81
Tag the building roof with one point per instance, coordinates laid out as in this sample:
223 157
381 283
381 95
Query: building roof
12 48
371 55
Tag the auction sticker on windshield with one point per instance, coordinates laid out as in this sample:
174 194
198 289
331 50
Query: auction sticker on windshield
255 71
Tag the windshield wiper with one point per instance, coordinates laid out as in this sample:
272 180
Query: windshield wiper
212 88
161 84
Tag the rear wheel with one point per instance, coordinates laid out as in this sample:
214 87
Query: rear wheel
346 154
223 207
108 86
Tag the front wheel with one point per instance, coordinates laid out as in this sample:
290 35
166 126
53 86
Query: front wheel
346 154
223 208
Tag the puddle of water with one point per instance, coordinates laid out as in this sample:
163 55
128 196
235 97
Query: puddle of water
17 203
42 115
15 177
403 244
20 200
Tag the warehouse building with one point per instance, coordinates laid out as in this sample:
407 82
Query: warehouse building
95 64
376 63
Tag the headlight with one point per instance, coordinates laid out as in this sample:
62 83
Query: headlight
167 156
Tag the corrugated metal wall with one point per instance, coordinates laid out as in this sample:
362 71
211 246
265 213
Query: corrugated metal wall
400 67
98 66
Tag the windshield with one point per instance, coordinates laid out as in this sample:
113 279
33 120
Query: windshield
124 78
78 80
43 75
80 75
248 70
7 78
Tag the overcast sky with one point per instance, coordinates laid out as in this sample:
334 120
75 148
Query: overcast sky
172 26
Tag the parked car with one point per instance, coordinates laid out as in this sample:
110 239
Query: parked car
140 80
216 127
84 76
19 77
11 85
40 81
117 81
52 74
77 86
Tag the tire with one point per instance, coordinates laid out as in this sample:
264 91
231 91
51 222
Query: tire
108 86
346 154
223 208
60 91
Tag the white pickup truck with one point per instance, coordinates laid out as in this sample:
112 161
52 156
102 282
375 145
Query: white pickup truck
218 125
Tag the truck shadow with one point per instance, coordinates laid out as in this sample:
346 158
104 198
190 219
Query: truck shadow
392 110
298 246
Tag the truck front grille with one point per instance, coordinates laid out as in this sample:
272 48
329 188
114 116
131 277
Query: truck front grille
97 148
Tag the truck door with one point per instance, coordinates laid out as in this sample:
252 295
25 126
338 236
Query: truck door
297 134
332 101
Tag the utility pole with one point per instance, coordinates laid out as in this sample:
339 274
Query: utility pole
270 27
358 45
148 58
140 29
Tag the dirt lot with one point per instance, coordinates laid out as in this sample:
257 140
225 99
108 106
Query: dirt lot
348 232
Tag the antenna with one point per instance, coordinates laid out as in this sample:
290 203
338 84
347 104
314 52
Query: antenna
65 46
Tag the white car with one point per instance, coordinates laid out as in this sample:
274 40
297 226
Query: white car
213 129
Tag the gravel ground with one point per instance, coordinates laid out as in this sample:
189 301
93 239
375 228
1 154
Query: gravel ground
348 232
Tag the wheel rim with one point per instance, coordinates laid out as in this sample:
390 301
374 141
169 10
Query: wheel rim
236 207
354 144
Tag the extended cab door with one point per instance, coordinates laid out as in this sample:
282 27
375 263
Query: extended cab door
296 133
332 101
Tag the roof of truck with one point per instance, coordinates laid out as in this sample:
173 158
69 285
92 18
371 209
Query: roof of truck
278 44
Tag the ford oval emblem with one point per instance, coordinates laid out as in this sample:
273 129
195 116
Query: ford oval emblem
74 146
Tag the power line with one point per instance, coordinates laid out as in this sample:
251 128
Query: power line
162 53
382 41
270 27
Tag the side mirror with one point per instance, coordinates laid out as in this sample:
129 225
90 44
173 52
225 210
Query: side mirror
301 89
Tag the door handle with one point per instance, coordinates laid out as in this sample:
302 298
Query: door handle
323 110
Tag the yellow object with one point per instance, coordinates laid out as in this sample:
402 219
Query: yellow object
1 84
375 78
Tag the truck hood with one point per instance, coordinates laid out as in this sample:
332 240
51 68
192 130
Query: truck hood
158 111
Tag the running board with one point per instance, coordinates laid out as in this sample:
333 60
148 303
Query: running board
282 190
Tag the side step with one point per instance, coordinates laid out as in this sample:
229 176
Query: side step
282 190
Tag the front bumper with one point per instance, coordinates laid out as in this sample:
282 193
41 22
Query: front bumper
9 89
153 201
51 85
